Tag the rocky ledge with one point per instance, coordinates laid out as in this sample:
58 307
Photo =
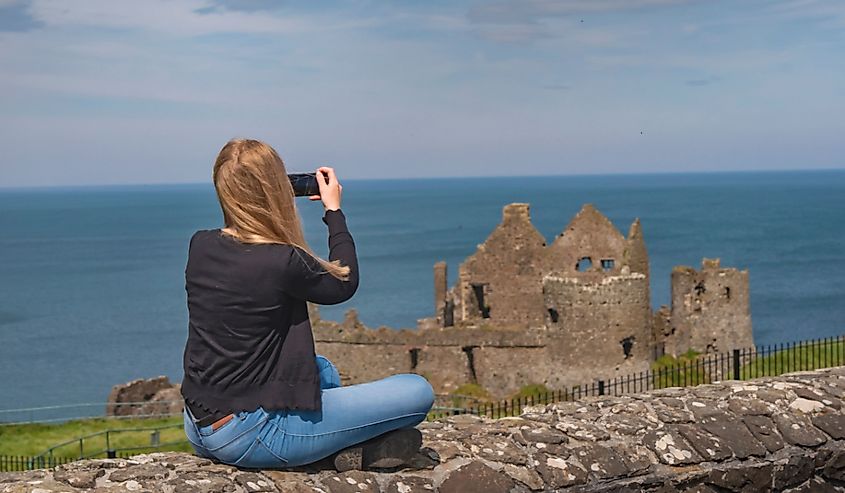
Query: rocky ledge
774 434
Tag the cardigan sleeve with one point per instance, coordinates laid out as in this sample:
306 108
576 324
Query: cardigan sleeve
306 279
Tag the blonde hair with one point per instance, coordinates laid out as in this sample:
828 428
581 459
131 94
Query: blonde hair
257 199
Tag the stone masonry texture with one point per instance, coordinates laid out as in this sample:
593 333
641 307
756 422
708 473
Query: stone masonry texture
784 434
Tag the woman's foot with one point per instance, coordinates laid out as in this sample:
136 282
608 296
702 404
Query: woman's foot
391 449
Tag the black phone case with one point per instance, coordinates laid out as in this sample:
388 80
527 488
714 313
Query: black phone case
304 184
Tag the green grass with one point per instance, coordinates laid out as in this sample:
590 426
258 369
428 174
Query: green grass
686 370
33 439
469 393
533 390
811 356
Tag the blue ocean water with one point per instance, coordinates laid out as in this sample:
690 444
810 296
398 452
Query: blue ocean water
92 278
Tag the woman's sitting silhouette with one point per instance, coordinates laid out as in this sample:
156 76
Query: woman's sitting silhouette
256 394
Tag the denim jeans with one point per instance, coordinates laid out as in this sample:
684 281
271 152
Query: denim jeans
288 438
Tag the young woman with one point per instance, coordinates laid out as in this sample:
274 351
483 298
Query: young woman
256 393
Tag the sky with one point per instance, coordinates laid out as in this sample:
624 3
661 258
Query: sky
99 92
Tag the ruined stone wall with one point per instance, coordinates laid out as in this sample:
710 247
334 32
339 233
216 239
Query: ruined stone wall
636 253
602 331
783 434
500 360
590 235
599 328
505 370
710 309
501 280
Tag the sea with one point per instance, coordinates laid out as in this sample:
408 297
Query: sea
92 287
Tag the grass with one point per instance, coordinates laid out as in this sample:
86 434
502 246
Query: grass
469 394
810 356
33 439
685 370
533 390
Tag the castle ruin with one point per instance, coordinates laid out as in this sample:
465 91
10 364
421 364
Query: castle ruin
524 312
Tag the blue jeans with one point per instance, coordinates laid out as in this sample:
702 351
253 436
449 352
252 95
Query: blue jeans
288 438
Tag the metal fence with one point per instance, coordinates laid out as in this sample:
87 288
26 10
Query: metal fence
686 370
13 463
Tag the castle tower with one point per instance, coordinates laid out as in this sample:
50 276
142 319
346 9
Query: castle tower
710 309
501 280
597 302
605 325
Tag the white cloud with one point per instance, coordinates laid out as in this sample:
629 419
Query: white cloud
176 18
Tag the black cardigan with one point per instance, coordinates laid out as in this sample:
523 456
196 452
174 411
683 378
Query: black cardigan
249 336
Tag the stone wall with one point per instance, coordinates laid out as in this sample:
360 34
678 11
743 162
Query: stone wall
501 280
588 240
500 360
784 434
711 310
601 327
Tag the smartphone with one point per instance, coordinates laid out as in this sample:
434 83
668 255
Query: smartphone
304 184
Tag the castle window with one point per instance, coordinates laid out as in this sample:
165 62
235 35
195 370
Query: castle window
415 358
553 315
627 346
728 292
478 290
473 376
700 289
585 264
607 264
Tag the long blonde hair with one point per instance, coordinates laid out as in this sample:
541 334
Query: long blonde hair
257 199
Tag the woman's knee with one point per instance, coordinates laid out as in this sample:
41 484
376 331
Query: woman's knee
417 390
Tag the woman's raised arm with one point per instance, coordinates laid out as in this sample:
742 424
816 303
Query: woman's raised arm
306 279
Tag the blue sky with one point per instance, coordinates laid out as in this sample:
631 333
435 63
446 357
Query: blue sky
115 91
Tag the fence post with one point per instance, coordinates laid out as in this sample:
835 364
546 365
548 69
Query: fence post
736 364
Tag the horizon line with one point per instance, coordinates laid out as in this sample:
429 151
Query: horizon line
456 177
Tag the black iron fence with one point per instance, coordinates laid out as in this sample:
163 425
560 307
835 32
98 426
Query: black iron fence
686 370
13 463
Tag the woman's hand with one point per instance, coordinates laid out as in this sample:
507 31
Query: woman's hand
330 188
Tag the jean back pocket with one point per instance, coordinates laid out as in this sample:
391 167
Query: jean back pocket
266 451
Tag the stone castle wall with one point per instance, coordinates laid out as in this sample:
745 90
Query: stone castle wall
501 280
710 309
501 360
600 328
